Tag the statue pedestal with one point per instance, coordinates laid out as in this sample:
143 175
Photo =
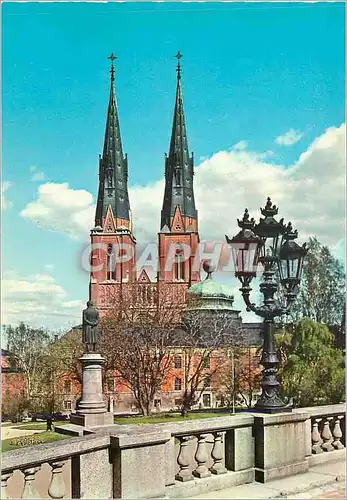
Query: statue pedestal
91 410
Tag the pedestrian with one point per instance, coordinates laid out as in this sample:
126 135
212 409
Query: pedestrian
49 423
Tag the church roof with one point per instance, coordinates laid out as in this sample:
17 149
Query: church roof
113 168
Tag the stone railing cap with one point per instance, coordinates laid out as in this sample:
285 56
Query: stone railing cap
41 453
208 425
140 439
326 410
280 418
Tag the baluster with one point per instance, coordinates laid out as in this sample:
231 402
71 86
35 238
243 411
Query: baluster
29 490
201 457
315 437
337 434
217 454
327 436
183 460
5 476
57 486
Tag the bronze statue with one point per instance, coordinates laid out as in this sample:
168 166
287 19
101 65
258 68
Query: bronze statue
90 326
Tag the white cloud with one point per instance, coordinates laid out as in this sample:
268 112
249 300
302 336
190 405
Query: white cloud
5 204
310 193
241 145
61 208
39 301
289 138
37 175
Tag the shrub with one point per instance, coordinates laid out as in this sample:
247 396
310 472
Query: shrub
27 440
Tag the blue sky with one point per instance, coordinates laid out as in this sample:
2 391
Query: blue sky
251 72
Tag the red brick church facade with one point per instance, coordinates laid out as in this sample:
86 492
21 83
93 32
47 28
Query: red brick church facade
113 242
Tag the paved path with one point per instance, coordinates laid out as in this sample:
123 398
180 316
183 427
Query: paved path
322 481
10 432
330 492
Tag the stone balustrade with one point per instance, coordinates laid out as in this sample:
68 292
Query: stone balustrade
210 454
325 432
176 460
57 470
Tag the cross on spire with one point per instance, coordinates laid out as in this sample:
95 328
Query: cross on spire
178 57
112 58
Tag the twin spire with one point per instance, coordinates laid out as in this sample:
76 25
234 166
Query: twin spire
113 166
179 166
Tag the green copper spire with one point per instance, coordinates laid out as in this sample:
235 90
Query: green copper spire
179 166
113 166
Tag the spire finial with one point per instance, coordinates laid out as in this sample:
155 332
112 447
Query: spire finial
208 268
112 58
178 57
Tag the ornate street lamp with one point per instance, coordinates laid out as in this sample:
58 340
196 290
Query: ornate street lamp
276 251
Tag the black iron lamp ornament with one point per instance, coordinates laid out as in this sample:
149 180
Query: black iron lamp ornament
271 244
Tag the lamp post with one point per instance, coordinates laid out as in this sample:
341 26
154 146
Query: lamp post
271 244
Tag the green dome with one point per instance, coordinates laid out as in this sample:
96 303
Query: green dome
211 295
209 288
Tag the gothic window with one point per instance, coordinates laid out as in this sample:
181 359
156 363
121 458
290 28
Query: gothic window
179 267
178 384
110 263
178 362
178 175
109 177
67 386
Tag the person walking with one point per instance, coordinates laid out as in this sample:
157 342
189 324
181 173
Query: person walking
49 423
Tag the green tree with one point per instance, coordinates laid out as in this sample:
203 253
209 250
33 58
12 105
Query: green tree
46 361
312 369
60 362
27 347
322 289
13 406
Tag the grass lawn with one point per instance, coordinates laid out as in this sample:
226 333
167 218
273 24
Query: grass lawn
37 426
167 418
21 442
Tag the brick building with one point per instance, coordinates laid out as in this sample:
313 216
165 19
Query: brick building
13 382
113 256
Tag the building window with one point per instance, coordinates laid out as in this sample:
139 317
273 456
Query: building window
178 402
67 404
178 362
179 267
110 384
206 400
207 382
178 384
110 263
206 361
67 386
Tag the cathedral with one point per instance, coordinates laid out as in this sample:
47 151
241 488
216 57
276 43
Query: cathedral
113 255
